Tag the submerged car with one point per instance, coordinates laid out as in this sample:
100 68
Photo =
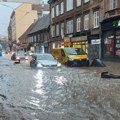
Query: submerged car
22 55
15 58
44 60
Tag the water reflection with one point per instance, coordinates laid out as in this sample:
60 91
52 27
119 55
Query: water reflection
39 82
60 80
34 101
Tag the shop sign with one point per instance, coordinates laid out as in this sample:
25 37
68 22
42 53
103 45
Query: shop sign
92 37
96 41
67 44
116 23
111 25
66 39
78 39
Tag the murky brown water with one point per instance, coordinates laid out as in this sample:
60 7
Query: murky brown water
58 94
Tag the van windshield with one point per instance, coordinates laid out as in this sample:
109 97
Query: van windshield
74 51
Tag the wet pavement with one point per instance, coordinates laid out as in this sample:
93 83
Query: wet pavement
58 94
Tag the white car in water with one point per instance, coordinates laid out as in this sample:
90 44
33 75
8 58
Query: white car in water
22 55
44 60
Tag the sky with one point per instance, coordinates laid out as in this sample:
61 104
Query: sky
6 8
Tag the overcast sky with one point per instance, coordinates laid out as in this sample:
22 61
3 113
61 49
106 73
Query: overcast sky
6 9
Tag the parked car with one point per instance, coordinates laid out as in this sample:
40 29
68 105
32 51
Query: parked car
44 60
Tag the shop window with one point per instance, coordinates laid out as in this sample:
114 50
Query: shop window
109 44
117 43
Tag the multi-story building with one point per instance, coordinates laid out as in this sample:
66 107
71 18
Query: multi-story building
76 22
39 35
21 18
42 9
111 29
10 32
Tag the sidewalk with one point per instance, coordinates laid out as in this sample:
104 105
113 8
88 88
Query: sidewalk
112 66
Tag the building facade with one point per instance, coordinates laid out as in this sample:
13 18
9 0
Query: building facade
21 18
39 35
111 29
78 23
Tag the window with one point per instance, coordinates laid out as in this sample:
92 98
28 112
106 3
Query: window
86 22
53 31
78 2
61 8
69 5
52 14
34 37
57 30
85 1
96 19
69 26
112 4
53 45
62 29
78 24
57 10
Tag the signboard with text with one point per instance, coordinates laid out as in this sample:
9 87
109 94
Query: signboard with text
96 41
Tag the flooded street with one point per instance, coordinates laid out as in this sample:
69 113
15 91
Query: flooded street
58 94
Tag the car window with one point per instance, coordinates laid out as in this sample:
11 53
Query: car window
74 51
45 57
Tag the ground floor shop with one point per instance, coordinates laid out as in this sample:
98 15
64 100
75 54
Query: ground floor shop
90 44
111 38
80 42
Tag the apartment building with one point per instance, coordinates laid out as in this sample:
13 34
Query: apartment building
76 22
111 29
21 18
39 35
38 11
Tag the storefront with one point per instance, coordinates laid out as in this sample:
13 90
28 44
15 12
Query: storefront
46 47
111 38
94 46
80 42
40 47
57 44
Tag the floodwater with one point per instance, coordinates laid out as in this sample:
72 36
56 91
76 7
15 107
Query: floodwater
58 94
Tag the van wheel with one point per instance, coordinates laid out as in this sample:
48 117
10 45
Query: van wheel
69 64
87 63
32 64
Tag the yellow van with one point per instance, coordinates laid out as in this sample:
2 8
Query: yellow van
71 56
